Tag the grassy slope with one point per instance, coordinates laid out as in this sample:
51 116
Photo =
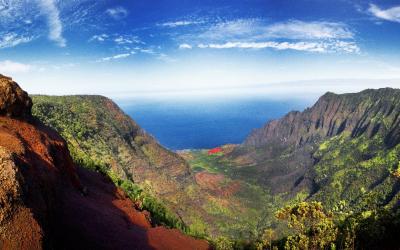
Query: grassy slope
242 211
357 174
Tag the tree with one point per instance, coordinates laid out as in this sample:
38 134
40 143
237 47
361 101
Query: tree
312 226
224 243
267 237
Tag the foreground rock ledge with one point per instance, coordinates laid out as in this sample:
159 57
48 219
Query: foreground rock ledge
14 102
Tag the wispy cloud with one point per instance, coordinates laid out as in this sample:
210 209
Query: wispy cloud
117 13
321 47
116 57
9 40
11 67
391 14
126 39
50 9
99 38
309 30
256 29
148 51
185 46
316 36
118 39
179 23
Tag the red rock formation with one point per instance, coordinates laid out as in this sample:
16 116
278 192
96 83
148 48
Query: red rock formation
42 203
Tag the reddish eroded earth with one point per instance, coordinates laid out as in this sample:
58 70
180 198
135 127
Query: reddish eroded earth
46 202
217 184
108 218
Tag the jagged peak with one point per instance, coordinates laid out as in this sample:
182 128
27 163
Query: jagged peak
367 112
14 102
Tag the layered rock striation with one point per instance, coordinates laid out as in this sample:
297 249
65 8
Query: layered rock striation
368 112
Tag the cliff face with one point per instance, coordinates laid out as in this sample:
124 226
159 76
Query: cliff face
47 202
96 128
98 132
286 153
368 112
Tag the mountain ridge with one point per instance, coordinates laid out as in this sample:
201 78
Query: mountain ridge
329 116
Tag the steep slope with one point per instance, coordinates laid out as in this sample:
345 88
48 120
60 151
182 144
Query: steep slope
345 149
100 134
47 202
96 127
368 112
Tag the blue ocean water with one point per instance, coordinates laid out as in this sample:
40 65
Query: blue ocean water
205 124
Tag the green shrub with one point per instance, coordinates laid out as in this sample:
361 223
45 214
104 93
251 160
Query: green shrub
224 243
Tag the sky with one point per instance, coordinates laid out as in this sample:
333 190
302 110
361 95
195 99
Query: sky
192 48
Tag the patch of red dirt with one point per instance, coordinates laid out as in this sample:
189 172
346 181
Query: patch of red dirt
110 221
217 184
214 151
162 238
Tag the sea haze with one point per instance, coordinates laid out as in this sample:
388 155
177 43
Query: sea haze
205 124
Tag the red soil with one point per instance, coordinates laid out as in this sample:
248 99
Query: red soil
214 151
54 213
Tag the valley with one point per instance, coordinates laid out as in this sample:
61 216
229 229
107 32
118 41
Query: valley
339 158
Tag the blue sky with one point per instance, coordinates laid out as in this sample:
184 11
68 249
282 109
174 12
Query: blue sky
196 48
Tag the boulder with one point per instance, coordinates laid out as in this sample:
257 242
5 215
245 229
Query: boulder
14 102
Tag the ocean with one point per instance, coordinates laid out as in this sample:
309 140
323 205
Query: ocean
205 124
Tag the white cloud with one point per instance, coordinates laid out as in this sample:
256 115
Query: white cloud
9 40
316 36
116 38
117 13
126 40
148 51
10 67
116 57
308 30
256 29
50 9
99 38
391 14
185 46
179 23
321 47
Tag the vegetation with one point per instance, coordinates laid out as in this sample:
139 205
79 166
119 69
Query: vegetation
313 227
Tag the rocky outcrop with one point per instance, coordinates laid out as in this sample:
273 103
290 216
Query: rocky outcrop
366 113
47 202
34 167
14 102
